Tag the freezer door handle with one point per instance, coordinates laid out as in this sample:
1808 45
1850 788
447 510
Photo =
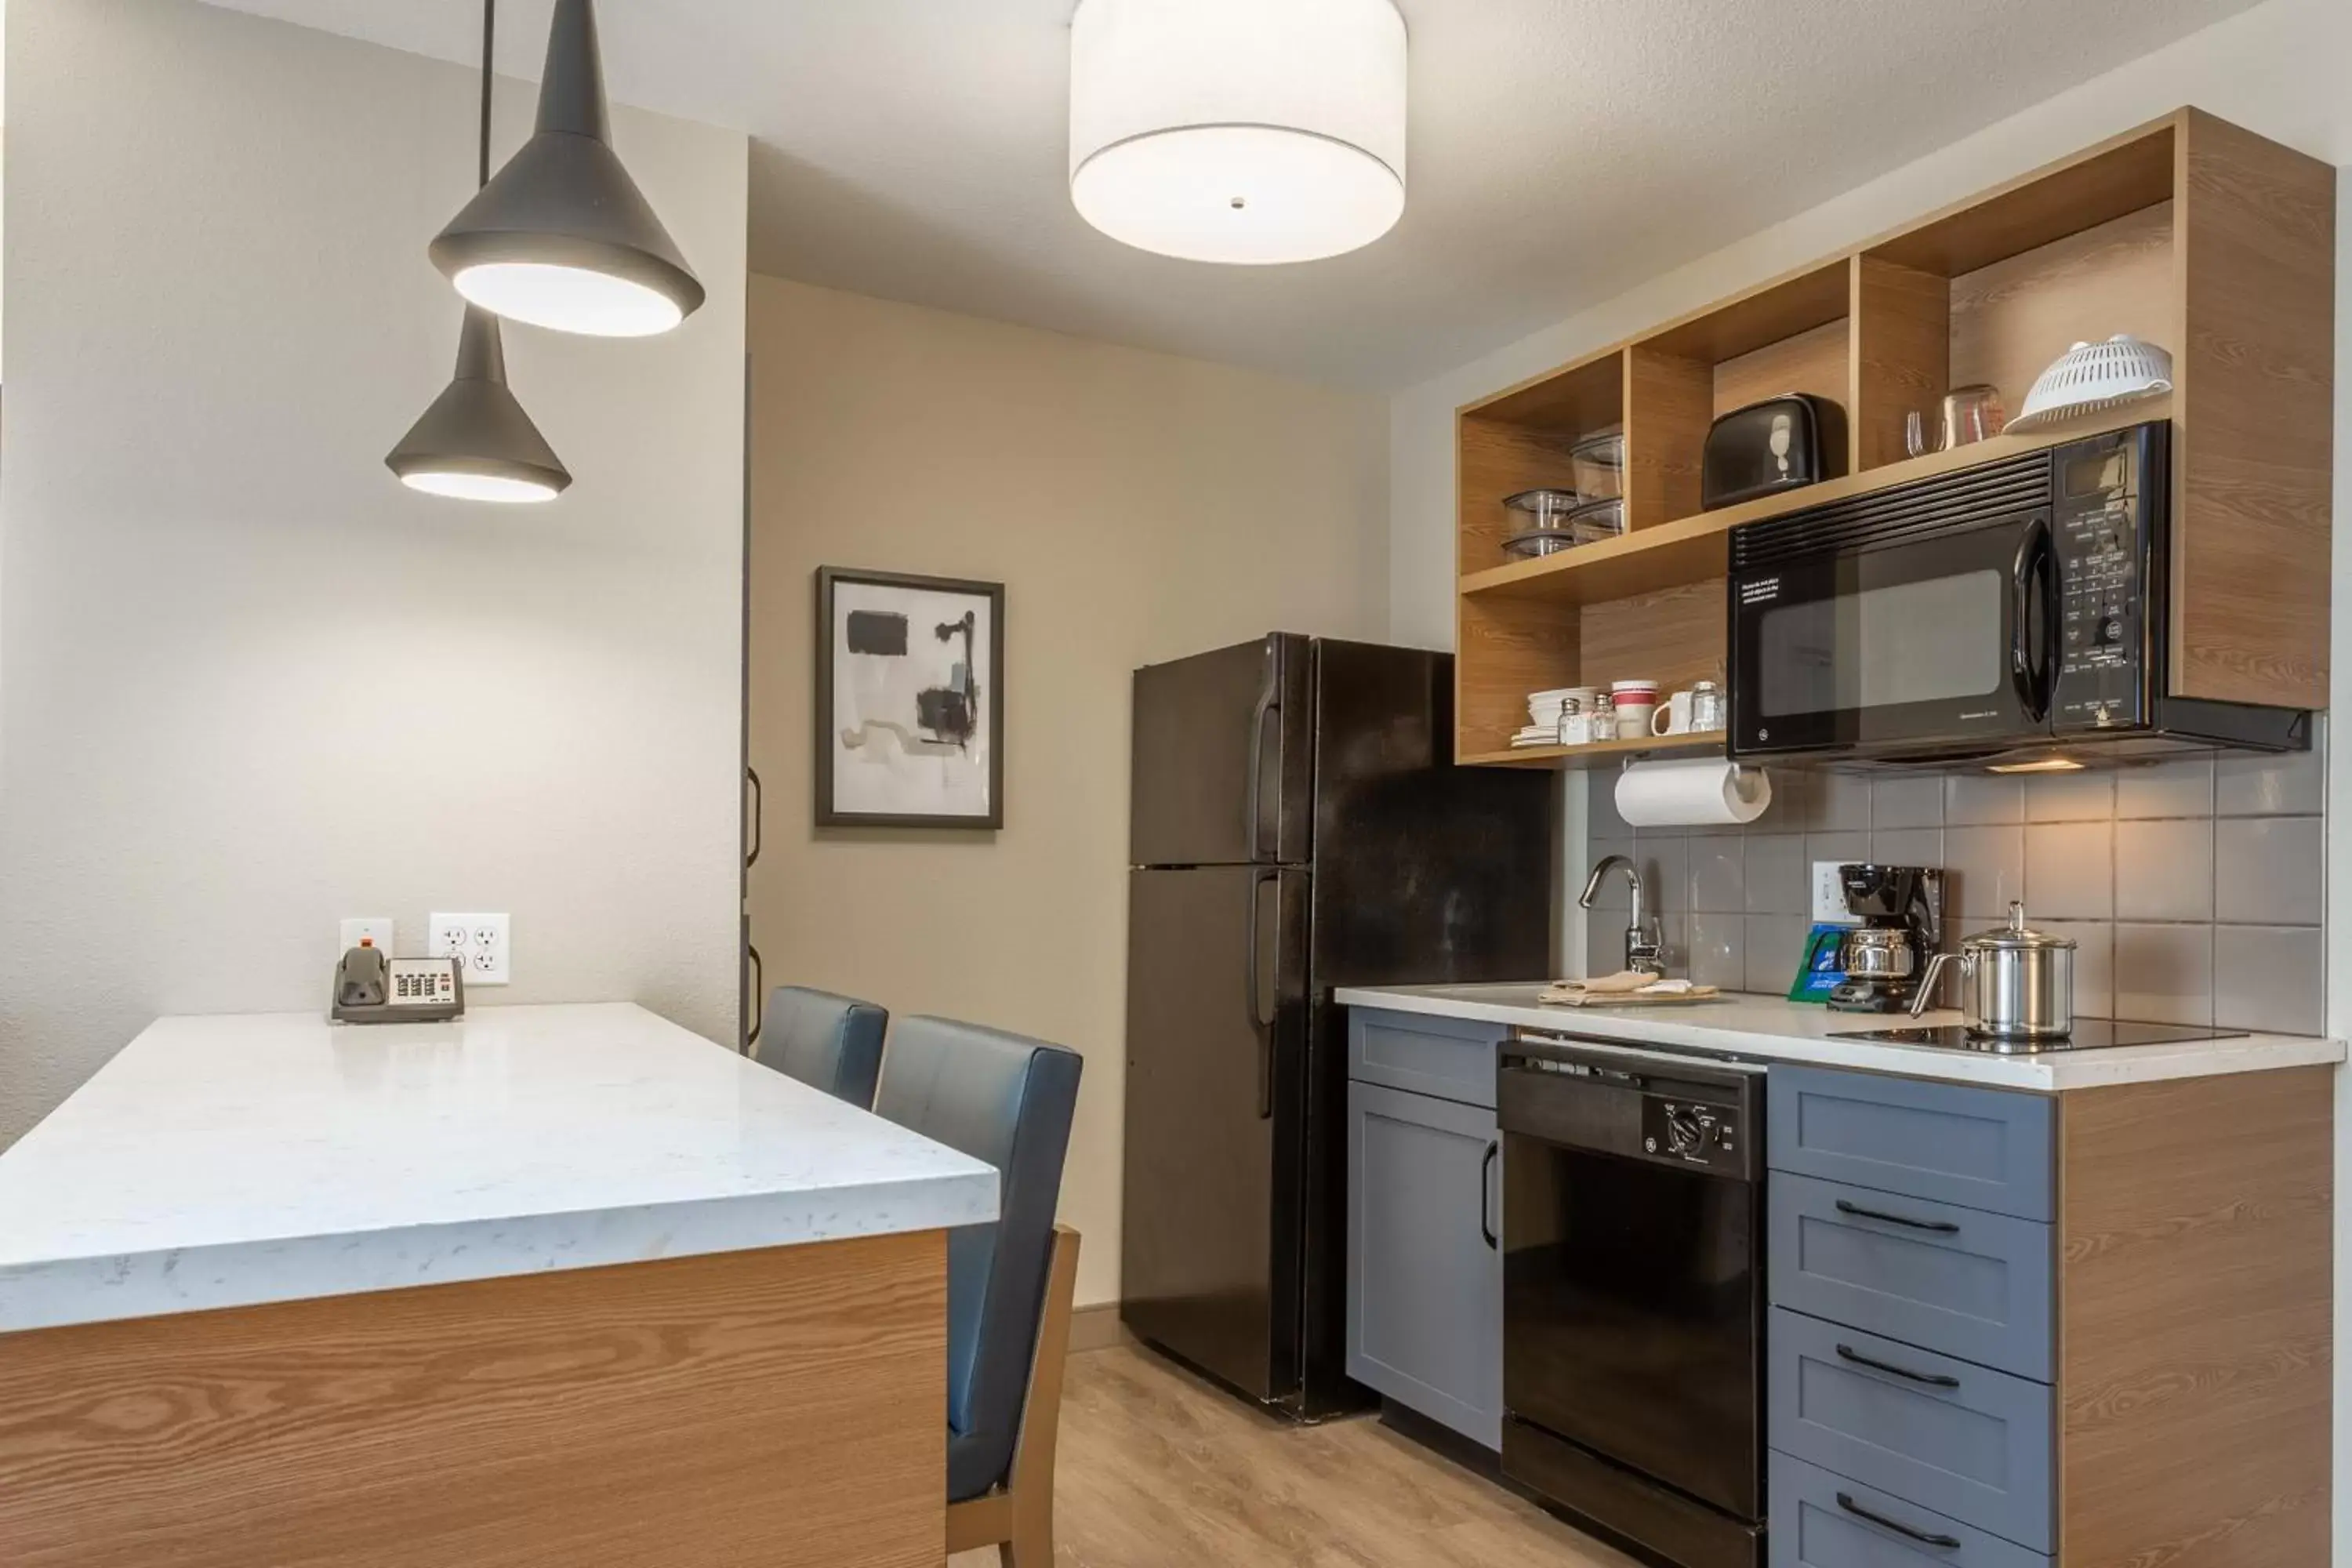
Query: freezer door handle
1260 1024
1269 706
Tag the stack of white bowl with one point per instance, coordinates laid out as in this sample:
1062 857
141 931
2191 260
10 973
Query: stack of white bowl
1543 718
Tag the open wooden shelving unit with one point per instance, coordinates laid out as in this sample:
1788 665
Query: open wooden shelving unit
1599 754
2189 232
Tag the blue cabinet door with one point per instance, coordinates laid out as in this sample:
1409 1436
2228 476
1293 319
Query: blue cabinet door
1973 1284
1982 1148
1425 1258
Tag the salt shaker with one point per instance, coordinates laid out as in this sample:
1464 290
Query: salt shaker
1707 706
1575 724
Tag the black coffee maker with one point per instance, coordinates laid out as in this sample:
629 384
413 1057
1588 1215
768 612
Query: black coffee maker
1902 911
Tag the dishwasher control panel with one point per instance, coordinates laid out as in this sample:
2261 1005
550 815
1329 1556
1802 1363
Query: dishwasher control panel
1695 1131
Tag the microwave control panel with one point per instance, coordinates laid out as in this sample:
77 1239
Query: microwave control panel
2102 636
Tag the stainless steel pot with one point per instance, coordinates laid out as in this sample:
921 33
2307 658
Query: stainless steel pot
2015 984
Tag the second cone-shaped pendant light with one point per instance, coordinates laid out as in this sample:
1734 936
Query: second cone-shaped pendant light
475 443
562 237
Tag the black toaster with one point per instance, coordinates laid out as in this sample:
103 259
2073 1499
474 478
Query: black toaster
1779 444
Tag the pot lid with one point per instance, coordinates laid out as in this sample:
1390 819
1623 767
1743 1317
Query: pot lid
2016 934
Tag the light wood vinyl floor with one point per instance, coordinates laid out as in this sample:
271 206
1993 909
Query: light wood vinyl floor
1156 1469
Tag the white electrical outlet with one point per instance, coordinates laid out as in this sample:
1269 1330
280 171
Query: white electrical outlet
484 942
376 929
1829 897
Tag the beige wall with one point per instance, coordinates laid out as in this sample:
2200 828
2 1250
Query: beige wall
249 684
1137 508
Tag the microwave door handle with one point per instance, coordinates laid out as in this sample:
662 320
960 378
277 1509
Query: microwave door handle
2031 681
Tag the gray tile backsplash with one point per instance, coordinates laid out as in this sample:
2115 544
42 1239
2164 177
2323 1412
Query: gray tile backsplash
2193 887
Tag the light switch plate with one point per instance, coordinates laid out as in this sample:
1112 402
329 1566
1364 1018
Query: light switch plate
1829 897
483 941
377 929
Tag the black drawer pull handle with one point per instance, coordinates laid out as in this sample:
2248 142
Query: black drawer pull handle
1940 1226
1932 1379
1947 1543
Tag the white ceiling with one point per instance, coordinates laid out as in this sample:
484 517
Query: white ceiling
1561 150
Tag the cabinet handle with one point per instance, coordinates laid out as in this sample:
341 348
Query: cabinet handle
1940 1226
1945 1542
759 810
1486 1186
1932 1379
759 997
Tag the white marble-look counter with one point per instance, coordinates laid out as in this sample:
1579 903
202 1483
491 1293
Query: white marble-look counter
225 1162
1772 1029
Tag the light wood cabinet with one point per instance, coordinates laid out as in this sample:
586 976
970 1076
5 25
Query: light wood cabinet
2190 232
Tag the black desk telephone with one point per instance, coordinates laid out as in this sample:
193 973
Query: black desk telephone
371 987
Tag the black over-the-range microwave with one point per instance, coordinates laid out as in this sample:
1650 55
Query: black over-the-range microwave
2013 613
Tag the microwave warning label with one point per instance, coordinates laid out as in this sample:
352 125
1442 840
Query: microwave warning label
1759 591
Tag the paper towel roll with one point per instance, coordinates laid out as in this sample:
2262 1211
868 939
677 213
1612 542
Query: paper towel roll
1691 794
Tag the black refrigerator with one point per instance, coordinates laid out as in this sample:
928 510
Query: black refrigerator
1297 824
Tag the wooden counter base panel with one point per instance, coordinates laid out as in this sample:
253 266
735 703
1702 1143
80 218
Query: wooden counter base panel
767 1408
2198 1305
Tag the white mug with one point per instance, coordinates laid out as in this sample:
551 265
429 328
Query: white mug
1633 719
1675 713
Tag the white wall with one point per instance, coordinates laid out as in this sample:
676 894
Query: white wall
1138 507
2283 70
248 683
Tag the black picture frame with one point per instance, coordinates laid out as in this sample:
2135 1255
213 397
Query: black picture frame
990 682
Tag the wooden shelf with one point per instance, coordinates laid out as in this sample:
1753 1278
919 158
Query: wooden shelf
1693 547
1600 753
2200 237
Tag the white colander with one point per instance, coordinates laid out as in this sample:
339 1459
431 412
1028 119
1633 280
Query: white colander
2091 377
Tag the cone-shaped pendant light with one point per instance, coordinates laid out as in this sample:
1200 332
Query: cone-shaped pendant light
562 237
475 443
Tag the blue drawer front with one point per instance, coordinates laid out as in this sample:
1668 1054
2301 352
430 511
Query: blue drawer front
1451 1058
1959 1280
1824 1520
1982 1148
1948 1436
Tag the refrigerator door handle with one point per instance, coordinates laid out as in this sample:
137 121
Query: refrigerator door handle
1261 1024
1269 705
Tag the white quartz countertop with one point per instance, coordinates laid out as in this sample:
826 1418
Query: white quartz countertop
1772 1029
223 1161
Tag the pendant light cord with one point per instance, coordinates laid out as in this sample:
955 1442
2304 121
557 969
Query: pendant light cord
489 35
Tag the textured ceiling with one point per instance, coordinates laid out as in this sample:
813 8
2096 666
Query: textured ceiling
1559 150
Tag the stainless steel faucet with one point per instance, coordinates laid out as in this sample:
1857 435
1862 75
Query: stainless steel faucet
1643 946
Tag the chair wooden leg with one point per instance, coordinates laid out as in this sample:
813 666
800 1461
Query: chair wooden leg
1020 1518
1031 1483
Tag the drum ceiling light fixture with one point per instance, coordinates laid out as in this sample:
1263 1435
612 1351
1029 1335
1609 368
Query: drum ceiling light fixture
1244 132
562 237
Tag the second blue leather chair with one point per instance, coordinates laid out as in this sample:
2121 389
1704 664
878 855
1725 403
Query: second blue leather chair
829 1042
1006 1099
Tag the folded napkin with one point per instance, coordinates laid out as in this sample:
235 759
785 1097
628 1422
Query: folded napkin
1626 985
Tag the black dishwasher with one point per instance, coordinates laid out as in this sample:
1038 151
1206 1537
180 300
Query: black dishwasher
1633 1293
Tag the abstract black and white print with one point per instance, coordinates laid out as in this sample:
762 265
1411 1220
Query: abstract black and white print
909 710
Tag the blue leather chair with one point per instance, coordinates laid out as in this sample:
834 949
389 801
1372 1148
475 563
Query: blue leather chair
832 1042
1008 1100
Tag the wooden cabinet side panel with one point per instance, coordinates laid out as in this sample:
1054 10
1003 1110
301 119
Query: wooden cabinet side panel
2196 1321
2255 405
748 1410
1902 355
1669 404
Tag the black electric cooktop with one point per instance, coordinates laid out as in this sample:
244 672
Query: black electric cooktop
2089 1034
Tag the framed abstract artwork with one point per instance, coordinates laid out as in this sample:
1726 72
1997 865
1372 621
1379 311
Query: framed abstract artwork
909 700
